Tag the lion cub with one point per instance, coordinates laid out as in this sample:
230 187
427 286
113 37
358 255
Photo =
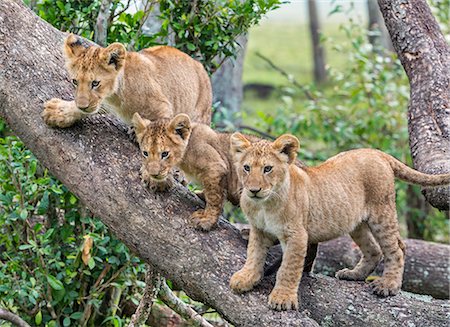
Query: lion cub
201 153
157 82
352 192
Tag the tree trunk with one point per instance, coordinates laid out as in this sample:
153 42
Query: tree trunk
320 74
227 83
101 26
97 162
425 55
377 25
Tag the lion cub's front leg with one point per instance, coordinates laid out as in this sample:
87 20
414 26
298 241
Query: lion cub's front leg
60 113
284 294
246 278
214 193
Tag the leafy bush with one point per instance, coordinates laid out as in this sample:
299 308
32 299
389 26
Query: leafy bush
59 265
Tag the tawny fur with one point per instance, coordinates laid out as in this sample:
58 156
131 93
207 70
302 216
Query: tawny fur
157 82
201 153
351 193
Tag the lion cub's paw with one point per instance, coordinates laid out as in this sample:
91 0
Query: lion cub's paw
244 280
203 220
283 300
57 113
385 287
349 274
159 187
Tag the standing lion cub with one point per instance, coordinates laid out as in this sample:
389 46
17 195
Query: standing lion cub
157 82
352 192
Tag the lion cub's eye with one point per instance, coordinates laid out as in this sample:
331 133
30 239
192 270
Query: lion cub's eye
247 168
164 154
145 153
267 169
95 83
75 82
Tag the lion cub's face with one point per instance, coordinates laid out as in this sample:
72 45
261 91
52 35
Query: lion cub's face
93 71
263 167
162 143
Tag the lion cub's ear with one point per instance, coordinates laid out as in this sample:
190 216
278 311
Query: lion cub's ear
180 125
114 55
73 47
238 145
287 145
140 125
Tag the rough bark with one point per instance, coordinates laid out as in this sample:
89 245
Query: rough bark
227 82
425 55
96 161
320 73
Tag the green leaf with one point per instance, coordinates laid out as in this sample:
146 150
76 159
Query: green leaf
24 214
25 246
91 263
66 322
190 46
43 204
55 283
76 315
38 318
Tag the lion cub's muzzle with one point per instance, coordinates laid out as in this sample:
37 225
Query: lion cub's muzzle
158 177
256 193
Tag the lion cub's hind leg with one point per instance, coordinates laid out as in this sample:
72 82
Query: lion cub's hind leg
384 226
371 254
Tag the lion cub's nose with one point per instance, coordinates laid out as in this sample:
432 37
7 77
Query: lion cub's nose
255 191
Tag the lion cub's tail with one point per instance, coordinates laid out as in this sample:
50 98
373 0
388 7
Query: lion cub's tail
413 176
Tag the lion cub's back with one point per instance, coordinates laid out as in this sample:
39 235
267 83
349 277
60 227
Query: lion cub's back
183 80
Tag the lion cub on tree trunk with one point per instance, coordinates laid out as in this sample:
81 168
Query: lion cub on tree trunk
157 82
352 192
201 153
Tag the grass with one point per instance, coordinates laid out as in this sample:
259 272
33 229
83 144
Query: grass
289 47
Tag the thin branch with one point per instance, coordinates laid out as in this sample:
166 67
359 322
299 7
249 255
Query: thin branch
13 318
152 287
241 127
289 77
148 8
172 301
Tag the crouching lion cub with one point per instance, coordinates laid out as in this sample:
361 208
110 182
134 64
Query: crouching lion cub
157 82
201 153
352 192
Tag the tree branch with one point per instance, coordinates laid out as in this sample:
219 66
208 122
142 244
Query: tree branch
12 318
97 162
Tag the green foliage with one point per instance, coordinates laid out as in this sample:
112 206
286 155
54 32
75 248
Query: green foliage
208 30
42 232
